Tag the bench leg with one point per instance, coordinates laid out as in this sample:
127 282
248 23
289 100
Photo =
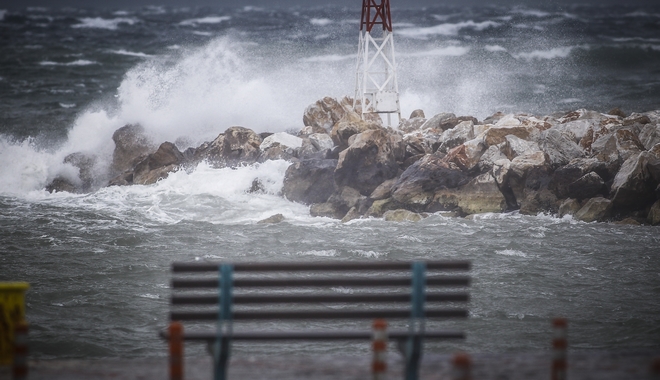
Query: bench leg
176 351
220 359
413 355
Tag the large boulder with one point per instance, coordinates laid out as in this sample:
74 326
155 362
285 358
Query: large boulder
559 148
596 209
442 122
372 158
321 141
479 195
457 135
351 124
81 182
649 135
541 201
654 214
417 185
280 145
634 186
589 185
240 146
310 181
574 170
402 216
412 124
131 146
569 207
381 206
325 113
158 165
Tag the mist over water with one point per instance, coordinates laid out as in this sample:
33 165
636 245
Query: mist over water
98 262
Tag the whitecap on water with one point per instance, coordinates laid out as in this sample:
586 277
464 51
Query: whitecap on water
319 253
447 29
101 23
369 254
511 252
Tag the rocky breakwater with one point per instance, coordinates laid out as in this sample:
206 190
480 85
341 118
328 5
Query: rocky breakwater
594 166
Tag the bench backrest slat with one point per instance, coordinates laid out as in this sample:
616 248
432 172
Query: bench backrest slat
316 314
243 299
182 267
312 282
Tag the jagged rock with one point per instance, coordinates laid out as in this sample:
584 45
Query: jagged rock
416 144
417 113
649 135
310 181
325 113
596 209
577 129
636 118
615 148
61 184
240 146
416 186
124 179
402 216
131 146
581 114
569 207
515 146
158 165
654 214
588 186
371 159
352 214
457 135
523 164
277 218
346 198
628 222
575 169
490 155
442 121
351 124
497 133
384 190
412 124
617 112
280 146
321 141
634 185
539 201
494 118
559 148
379 207
327 210
310 130
256 187
479 195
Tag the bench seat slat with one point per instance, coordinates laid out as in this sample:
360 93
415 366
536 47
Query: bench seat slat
181 267
179 283
242 299
315 314
315 335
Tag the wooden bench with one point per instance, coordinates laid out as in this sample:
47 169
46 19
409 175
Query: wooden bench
352 292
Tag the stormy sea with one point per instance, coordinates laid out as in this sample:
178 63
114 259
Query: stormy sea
98 263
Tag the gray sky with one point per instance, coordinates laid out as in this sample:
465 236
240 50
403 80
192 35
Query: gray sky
19 4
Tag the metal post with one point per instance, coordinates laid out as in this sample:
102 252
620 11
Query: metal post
176 350
416 328
224 327
20 363
379 346
559 346
461 366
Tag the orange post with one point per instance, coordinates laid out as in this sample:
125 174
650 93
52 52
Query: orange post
559 346
176 351
379 346
461 366
20 362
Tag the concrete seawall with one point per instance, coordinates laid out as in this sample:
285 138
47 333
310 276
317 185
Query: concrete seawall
601 365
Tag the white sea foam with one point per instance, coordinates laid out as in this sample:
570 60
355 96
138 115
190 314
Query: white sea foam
205 34
531 12
494 48
205 20
319 253
3 12
558 52
131 53
329 58
570 100
511 252
447 29
79 62
320 21
67 105
102 23
449 51
369 254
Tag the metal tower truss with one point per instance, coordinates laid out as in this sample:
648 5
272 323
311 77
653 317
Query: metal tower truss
376 82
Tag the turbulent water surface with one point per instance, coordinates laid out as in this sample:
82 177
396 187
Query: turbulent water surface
98 263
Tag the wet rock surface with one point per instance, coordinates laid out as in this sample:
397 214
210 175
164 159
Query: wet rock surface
608 164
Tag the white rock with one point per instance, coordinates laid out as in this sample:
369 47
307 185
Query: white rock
321 141
283 139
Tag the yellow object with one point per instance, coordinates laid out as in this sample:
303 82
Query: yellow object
12 310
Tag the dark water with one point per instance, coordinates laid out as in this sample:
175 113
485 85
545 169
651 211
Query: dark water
98 263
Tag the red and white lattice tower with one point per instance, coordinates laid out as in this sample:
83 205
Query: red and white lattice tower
376 67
